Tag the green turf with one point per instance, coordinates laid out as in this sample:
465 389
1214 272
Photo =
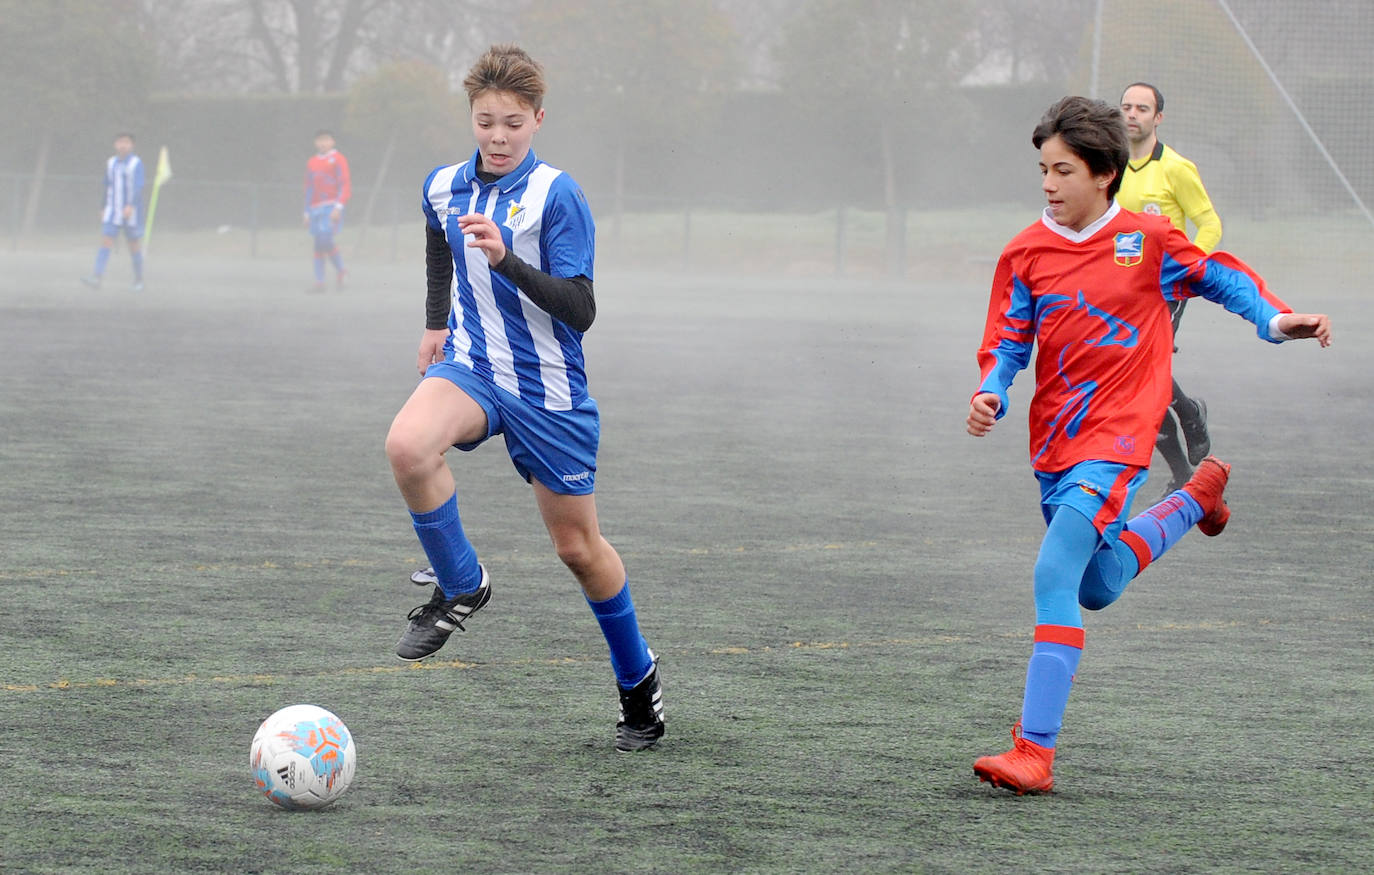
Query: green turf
199 527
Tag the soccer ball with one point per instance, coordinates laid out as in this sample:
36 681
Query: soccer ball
303 757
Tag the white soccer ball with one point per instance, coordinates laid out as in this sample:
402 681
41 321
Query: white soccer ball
303 757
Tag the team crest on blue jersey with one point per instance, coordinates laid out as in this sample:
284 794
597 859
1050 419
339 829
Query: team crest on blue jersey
515 215
1130 248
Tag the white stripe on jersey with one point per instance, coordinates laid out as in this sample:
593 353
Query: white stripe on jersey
499 353
119 184
440 193
522 347
553 369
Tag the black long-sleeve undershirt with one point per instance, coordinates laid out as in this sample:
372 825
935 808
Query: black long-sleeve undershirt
438 279
570 300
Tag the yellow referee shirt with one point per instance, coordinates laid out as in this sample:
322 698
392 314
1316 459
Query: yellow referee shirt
1168 184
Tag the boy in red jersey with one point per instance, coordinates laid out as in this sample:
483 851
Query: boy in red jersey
327 189
1090 284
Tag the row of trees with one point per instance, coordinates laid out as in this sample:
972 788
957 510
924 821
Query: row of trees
622 67
870 81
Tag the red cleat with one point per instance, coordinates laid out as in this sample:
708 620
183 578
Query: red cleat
1026 768
1206 487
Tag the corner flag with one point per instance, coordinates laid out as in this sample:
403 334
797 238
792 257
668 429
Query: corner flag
163 173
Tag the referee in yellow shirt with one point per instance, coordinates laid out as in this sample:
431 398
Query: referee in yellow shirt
1158 180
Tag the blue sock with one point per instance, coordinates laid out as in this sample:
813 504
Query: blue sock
137 258
1161 527
629 654
336 258
1049 677
453 557
319 267
102 257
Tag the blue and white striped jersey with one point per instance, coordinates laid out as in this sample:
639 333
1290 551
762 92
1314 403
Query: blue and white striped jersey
494 329
123 188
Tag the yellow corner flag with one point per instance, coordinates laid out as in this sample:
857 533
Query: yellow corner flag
161 175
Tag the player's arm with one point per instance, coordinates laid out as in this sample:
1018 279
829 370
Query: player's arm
568 296
1196 205
1008 339
438 282
345 181
1226 280
438 297
139 179
1303 326
136 186
309 187
982 413
568 299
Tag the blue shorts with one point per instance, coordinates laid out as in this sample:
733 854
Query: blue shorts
1101 491
555 447
322 221
110 229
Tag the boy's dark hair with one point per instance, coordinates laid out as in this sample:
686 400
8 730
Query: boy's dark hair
506 67
324 132
123 134
1159 95
1094 130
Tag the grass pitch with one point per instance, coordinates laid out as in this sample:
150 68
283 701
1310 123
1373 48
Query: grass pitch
199 527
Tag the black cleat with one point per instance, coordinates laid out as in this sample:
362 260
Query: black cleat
432 622
641 713
425 577
1195 433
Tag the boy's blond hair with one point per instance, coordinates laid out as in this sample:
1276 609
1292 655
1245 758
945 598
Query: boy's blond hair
506 67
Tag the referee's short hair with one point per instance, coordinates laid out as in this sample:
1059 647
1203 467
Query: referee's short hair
1159 95
1094 130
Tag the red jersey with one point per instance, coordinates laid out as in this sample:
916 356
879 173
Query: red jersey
1096 303
326 180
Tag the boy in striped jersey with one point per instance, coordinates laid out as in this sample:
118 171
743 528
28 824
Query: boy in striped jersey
1088 288
509 253
123 210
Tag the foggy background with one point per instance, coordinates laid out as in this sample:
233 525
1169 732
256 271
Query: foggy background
853 118
798 207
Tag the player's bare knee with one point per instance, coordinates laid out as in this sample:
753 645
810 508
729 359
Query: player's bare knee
575 550
406 452
578 558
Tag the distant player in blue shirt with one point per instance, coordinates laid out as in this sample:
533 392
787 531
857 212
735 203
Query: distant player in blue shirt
509 251
123 210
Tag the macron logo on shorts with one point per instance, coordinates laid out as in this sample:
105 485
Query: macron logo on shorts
574 478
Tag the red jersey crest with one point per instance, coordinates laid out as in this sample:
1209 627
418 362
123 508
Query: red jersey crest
1129 248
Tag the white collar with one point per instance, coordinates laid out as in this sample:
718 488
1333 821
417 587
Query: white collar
1073 236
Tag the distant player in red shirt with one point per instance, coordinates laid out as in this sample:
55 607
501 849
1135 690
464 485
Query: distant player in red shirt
1089 284
327 189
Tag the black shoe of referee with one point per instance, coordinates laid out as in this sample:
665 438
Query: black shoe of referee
1195 432
432 622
